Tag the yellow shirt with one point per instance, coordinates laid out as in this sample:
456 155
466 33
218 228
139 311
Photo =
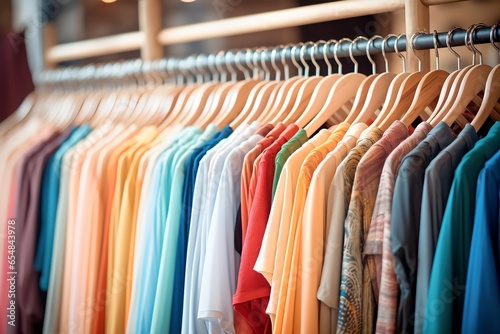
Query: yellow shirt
120 229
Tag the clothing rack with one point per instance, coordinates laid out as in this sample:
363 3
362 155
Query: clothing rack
318 50
151 37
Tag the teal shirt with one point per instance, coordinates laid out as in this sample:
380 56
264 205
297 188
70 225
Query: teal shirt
286 151
150 246
445 299
50 190
164 290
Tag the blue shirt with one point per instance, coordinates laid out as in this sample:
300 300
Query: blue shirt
187 202
445 300
48 205
482 295
437 185
405 216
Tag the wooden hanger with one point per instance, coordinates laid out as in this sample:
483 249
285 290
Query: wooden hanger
321 92
400 94
364 88
490 98
238 95
288 90
473 82
343 90
450 87
301 92
307 90
491 92
261 95
428 89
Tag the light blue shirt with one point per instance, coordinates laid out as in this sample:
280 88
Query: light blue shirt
164 290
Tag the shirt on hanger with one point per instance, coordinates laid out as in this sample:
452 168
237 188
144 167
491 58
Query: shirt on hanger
81 221
56 228
290 305
247 186
187 203
48 206
437 184
106 175
286 151
31 300
272 251
164 290
317 209
59 285
378 240
252 293
482 296
90 218
449 269
145 277
207 180
71 237
357 291
142 204
222 261
349 319
406 217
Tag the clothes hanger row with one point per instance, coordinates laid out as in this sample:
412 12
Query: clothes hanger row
200 90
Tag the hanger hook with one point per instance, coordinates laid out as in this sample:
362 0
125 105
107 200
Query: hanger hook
294 61
414 50
325 49
218 65
267 73
400 55
228 57
492 36
339 64
313 59
255 61
448 44
240 66
479 25
468 45
436 42
273 63
384 43
368 55
200 67
302 60
283 61
356 65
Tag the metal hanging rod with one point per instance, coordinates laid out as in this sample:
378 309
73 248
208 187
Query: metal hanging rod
318 50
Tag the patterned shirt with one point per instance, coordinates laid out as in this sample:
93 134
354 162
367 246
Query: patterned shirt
378 241
350 314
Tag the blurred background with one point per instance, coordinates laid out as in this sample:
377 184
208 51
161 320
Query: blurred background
75 20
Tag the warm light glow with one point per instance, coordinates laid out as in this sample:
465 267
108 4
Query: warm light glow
108 1
188 0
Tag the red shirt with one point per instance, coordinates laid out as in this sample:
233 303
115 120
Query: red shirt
252 293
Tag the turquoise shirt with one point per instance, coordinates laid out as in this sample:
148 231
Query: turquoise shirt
164 289
150 245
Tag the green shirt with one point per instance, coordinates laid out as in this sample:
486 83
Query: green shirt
286 151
